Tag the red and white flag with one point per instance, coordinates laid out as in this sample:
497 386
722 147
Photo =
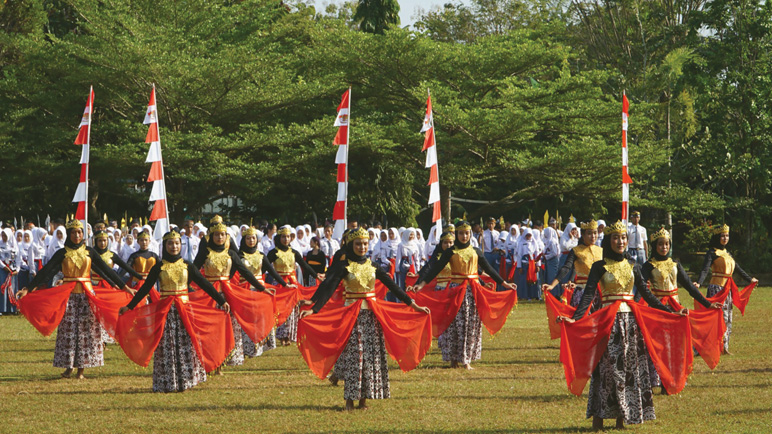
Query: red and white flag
430 146
626 180
341 159
84 138
160 212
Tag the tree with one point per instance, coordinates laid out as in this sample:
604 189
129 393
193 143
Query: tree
377 16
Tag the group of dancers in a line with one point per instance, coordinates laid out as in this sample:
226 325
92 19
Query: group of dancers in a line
193 317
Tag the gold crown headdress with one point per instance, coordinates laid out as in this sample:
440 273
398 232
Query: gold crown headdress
284 230
74 224
100 234
463 226
590 225
450 227
249 231
723 229
216 225
616 228
172 235
662 233
142 235
447 236
357 234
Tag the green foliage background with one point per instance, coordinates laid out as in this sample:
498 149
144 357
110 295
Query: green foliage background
526 96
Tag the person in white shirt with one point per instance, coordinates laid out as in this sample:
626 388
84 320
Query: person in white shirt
601 226
636 236
328 245
490 238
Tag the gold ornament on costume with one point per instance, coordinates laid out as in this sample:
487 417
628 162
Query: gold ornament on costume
450 227
249 231
172 235
142 235
284 231
357 234
590 225
662 233
463 226
100 234
616 228
77 256
216 225
723 229
447 236
73 224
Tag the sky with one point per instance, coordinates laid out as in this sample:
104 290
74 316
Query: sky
407 8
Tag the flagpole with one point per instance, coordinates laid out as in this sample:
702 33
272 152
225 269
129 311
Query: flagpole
434 143
348 148
160 155
88 164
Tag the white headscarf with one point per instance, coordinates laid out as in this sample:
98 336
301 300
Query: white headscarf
551 243
303 239
395 242
525 246
38 242
566 241
512 238
409 246
128 248
8 248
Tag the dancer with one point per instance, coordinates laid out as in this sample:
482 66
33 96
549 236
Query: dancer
579 259
620 387
79 335
178 354
110 259
354 334
142 260
463 329
720 263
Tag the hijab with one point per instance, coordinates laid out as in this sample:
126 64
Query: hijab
525 246
512 238
410 246
566 241
551 243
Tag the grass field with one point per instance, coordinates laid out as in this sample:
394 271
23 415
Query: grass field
518 386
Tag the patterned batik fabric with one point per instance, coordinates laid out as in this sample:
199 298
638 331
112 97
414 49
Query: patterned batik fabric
289 330
620 385
363 365
236 356
713 290
79 336
176 366
462 340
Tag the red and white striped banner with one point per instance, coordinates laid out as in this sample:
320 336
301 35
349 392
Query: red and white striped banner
626 180
160 212
430 146
341 159
84 138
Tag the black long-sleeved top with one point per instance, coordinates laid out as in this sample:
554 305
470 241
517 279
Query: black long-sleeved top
339 255
141 254
336 273
298 259
430 263
312 259
55 265
682 279
237 265
193 275
568 266
122 265
711 256
268 267
445 258
591 288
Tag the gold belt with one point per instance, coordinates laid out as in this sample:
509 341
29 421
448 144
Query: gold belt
352 297
286 273
664 293
721 275
217 278
183 296
610 299
464 276
580 279
79 289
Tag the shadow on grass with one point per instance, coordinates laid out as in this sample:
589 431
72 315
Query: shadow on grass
471 430
739 412
508 398
230 407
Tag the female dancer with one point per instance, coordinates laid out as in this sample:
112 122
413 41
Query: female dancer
220 263
620 387
284 258
143 259
363 359
463 330
722 266
79 335
579 259
257 263
177 364
110 259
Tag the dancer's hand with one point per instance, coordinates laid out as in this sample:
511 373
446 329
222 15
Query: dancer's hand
21 293
305 313
417 287
546 287
130 290
226 307
269 291
754 280
418 308
123 310
320 276
291 285
565 319
696 285
303 303
683 312
509 285
716 305
411 275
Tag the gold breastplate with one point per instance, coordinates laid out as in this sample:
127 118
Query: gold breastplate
463 263
143 265
76 263
722 268
617 283
254 263
107 257
359 283
585 257
664 277
445 273
285 261
173 278
218 263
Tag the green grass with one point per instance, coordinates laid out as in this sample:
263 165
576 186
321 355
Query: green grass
518 386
